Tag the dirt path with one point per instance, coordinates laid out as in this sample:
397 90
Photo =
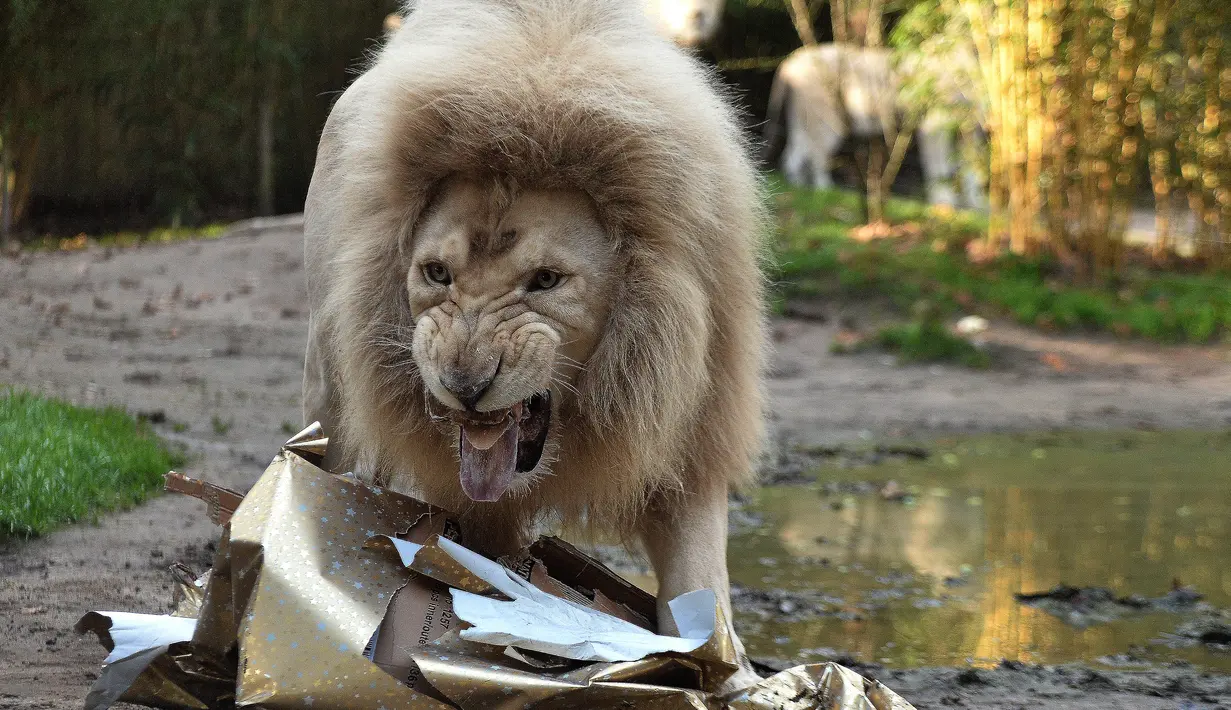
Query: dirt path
1038 382
210 334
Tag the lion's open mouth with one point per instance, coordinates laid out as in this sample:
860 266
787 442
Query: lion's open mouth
496 446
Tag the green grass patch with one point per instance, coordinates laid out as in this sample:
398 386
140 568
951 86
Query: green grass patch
930 342
162 235
221 426
924 339
816 256
60 463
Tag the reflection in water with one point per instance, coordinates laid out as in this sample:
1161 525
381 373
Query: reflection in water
931 581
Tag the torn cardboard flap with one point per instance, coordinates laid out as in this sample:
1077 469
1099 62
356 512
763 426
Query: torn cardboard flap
222 502
576 577
420 613
327 593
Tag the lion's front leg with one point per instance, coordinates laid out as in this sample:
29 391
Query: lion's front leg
320 400
685 537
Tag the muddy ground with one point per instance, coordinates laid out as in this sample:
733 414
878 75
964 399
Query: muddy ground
210 335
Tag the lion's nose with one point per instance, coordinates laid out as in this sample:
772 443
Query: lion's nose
468 390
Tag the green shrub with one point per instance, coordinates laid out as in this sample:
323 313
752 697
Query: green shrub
816 256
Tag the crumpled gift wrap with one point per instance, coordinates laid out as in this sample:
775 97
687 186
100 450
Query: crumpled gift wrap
303 576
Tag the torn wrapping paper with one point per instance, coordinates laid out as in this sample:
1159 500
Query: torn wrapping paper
534 620
327 593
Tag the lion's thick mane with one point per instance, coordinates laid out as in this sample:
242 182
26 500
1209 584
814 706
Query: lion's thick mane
576 94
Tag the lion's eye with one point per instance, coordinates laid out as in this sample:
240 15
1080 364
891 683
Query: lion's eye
544 279
438 273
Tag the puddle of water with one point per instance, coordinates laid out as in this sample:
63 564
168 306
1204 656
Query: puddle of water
996 516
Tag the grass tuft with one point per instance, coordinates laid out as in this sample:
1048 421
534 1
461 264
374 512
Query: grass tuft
221 426
60 463
817 256
928 342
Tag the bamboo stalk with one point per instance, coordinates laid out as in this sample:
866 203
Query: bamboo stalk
1151 83
874 32
1021 191
802 18
838 18
986 59
1052 162
1210 174
1080 191
1035 117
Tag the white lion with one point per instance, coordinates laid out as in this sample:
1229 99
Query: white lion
826 92
531 247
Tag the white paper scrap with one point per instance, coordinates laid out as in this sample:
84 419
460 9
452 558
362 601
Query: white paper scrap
694 614
134 633
405 548
538 621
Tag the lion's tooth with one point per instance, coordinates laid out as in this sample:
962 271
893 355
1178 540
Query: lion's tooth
484 437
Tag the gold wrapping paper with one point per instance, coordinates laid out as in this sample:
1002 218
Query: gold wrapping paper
305 573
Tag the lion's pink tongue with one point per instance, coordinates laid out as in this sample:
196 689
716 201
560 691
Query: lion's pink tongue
489 460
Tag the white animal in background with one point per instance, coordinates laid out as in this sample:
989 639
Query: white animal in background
827 92
689 23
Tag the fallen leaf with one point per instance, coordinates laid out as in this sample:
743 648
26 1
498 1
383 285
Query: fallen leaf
1056 362
884 230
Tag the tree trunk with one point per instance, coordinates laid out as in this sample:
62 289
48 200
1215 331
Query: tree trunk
6 198
265 150
21 173
878 181
876 187
267 113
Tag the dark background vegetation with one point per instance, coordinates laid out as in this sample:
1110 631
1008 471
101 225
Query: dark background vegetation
120 115
130 113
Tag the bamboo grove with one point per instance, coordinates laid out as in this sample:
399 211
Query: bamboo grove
1085 100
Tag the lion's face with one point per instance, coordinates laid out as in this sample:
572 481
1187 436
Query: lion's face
509 293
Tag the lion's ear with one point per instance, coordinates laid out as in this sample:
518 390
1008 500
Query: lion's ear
418 207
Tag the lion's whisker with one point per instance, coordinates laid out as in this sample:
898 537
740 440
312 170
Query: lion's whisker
556 380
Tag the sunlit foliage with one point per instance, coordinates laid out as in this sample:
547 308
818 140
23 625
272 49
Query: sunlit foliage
1084 99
